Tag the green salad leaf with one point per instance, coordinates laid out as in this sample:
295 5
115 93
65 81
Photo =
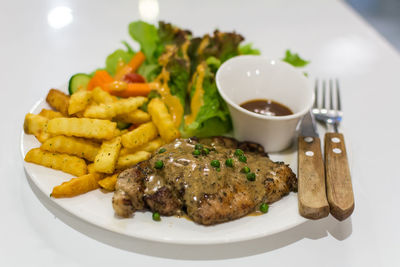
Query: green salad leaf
128 47
113 59
153 41
213 117
294 59
228 44
149 70
220 45
213 63
248 49
170 34
147 36
179 73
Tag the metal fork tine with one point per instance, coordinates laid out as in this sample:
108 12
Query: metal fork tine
331 115
339 107
323 94
330 94
316 94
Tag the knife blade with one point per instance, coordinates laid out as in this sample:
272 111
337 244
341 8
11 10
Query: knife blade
309 126
312 199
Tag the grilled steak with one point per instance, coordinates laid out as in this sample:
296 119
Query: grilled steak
192 184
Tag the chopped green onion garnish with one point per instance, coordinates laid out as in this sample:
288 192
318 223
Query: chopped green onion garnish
242 158
229 162
198 146
156 216
264 207
159 164
205 151
196 152
251 176
162 150
239 152
245 169
215 163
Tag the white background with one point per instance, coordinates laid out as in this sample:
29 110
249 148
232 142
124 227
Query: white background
36 57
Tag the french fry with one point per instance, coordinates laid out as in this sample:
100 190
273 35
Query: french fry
58 100
107 157
163 120
50 114
148 147
129 160
79 101
82 127
139 136
119 132
79 114
66 163
73 146
108 183
136 117
77 186
102 97
109 111
90 168
36 125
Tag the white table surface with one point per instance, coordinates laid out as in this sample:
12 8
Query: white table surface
35 57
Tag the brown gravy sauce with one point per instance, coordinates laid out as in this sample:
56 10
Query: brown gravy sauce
266 107
182 171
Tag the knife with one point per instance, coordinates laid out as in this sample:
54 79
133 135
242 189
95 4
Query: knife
312 199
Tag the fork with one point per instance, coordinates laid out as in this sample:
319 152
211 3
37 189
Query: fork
338 181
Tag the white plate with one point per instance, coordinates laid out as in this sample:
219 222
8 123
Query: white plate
95 208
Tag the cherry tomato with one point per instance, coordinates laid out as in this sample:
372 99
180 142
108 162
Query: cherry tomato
134 78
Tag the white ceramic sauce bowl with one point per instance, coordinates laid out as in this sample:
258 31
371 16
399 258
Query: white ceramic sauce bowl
245 78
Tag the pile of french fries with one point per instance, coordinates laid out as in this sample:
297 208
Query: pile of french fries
80 136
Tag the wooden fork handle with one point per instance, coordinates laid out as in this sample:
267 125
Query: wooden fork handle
311 179
338 181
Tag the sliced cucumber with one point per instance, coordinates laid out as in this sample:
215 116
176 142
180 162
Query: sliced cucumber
78 81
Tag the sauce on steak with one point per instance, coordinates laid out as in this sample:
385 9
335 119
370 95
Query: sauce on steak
189 184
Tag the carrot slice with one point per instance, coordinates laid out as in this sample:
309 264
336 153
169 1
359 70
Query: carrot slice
136 61
122 72
131 67
133 89
100 78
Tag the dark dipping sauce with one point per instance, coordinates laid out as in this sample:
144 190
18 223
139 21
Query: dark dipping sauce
266 107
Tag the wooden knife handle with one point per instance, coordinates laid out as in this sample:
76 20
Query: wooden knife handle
338 181
311 179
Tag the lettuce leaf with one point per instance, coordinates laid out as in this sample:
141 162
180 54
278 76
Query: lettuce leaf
213 117
228 44
179 72
147 36
170 34
248 49
213 63
220 45
149 70
153 41
113 59
294 59
211 127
